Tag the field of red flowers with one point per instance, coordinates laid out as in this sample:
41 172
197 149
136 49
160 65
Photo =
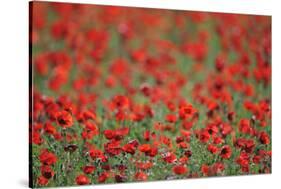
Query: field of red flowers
125 94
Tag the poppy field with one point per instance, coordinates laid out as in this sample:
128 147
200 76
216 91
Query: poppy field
123 94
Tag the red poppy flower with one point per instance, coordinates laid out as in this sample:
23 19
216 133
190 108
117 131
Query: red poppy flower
121 102
264 138
243 160
183 145
47 158
140 176
186 111
171 118
187 125
90 130
42 181
180 169
36 138
50 129
245 144
213 149
212 129
183 159
217 140
64 119
205 169
217 167
146 135
113 148
169 157
47 171
88 115
145 89
226 152
109 134
103 177
97 154
121 115
82 180
225 129
89 169
257 159
152 152
129 148
144 165
121 133
244 126
204 136
230 116
134 142
120 178
145 148
117 134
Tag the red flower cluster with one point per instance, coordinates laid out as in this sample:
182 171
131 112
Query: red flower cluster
155 95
